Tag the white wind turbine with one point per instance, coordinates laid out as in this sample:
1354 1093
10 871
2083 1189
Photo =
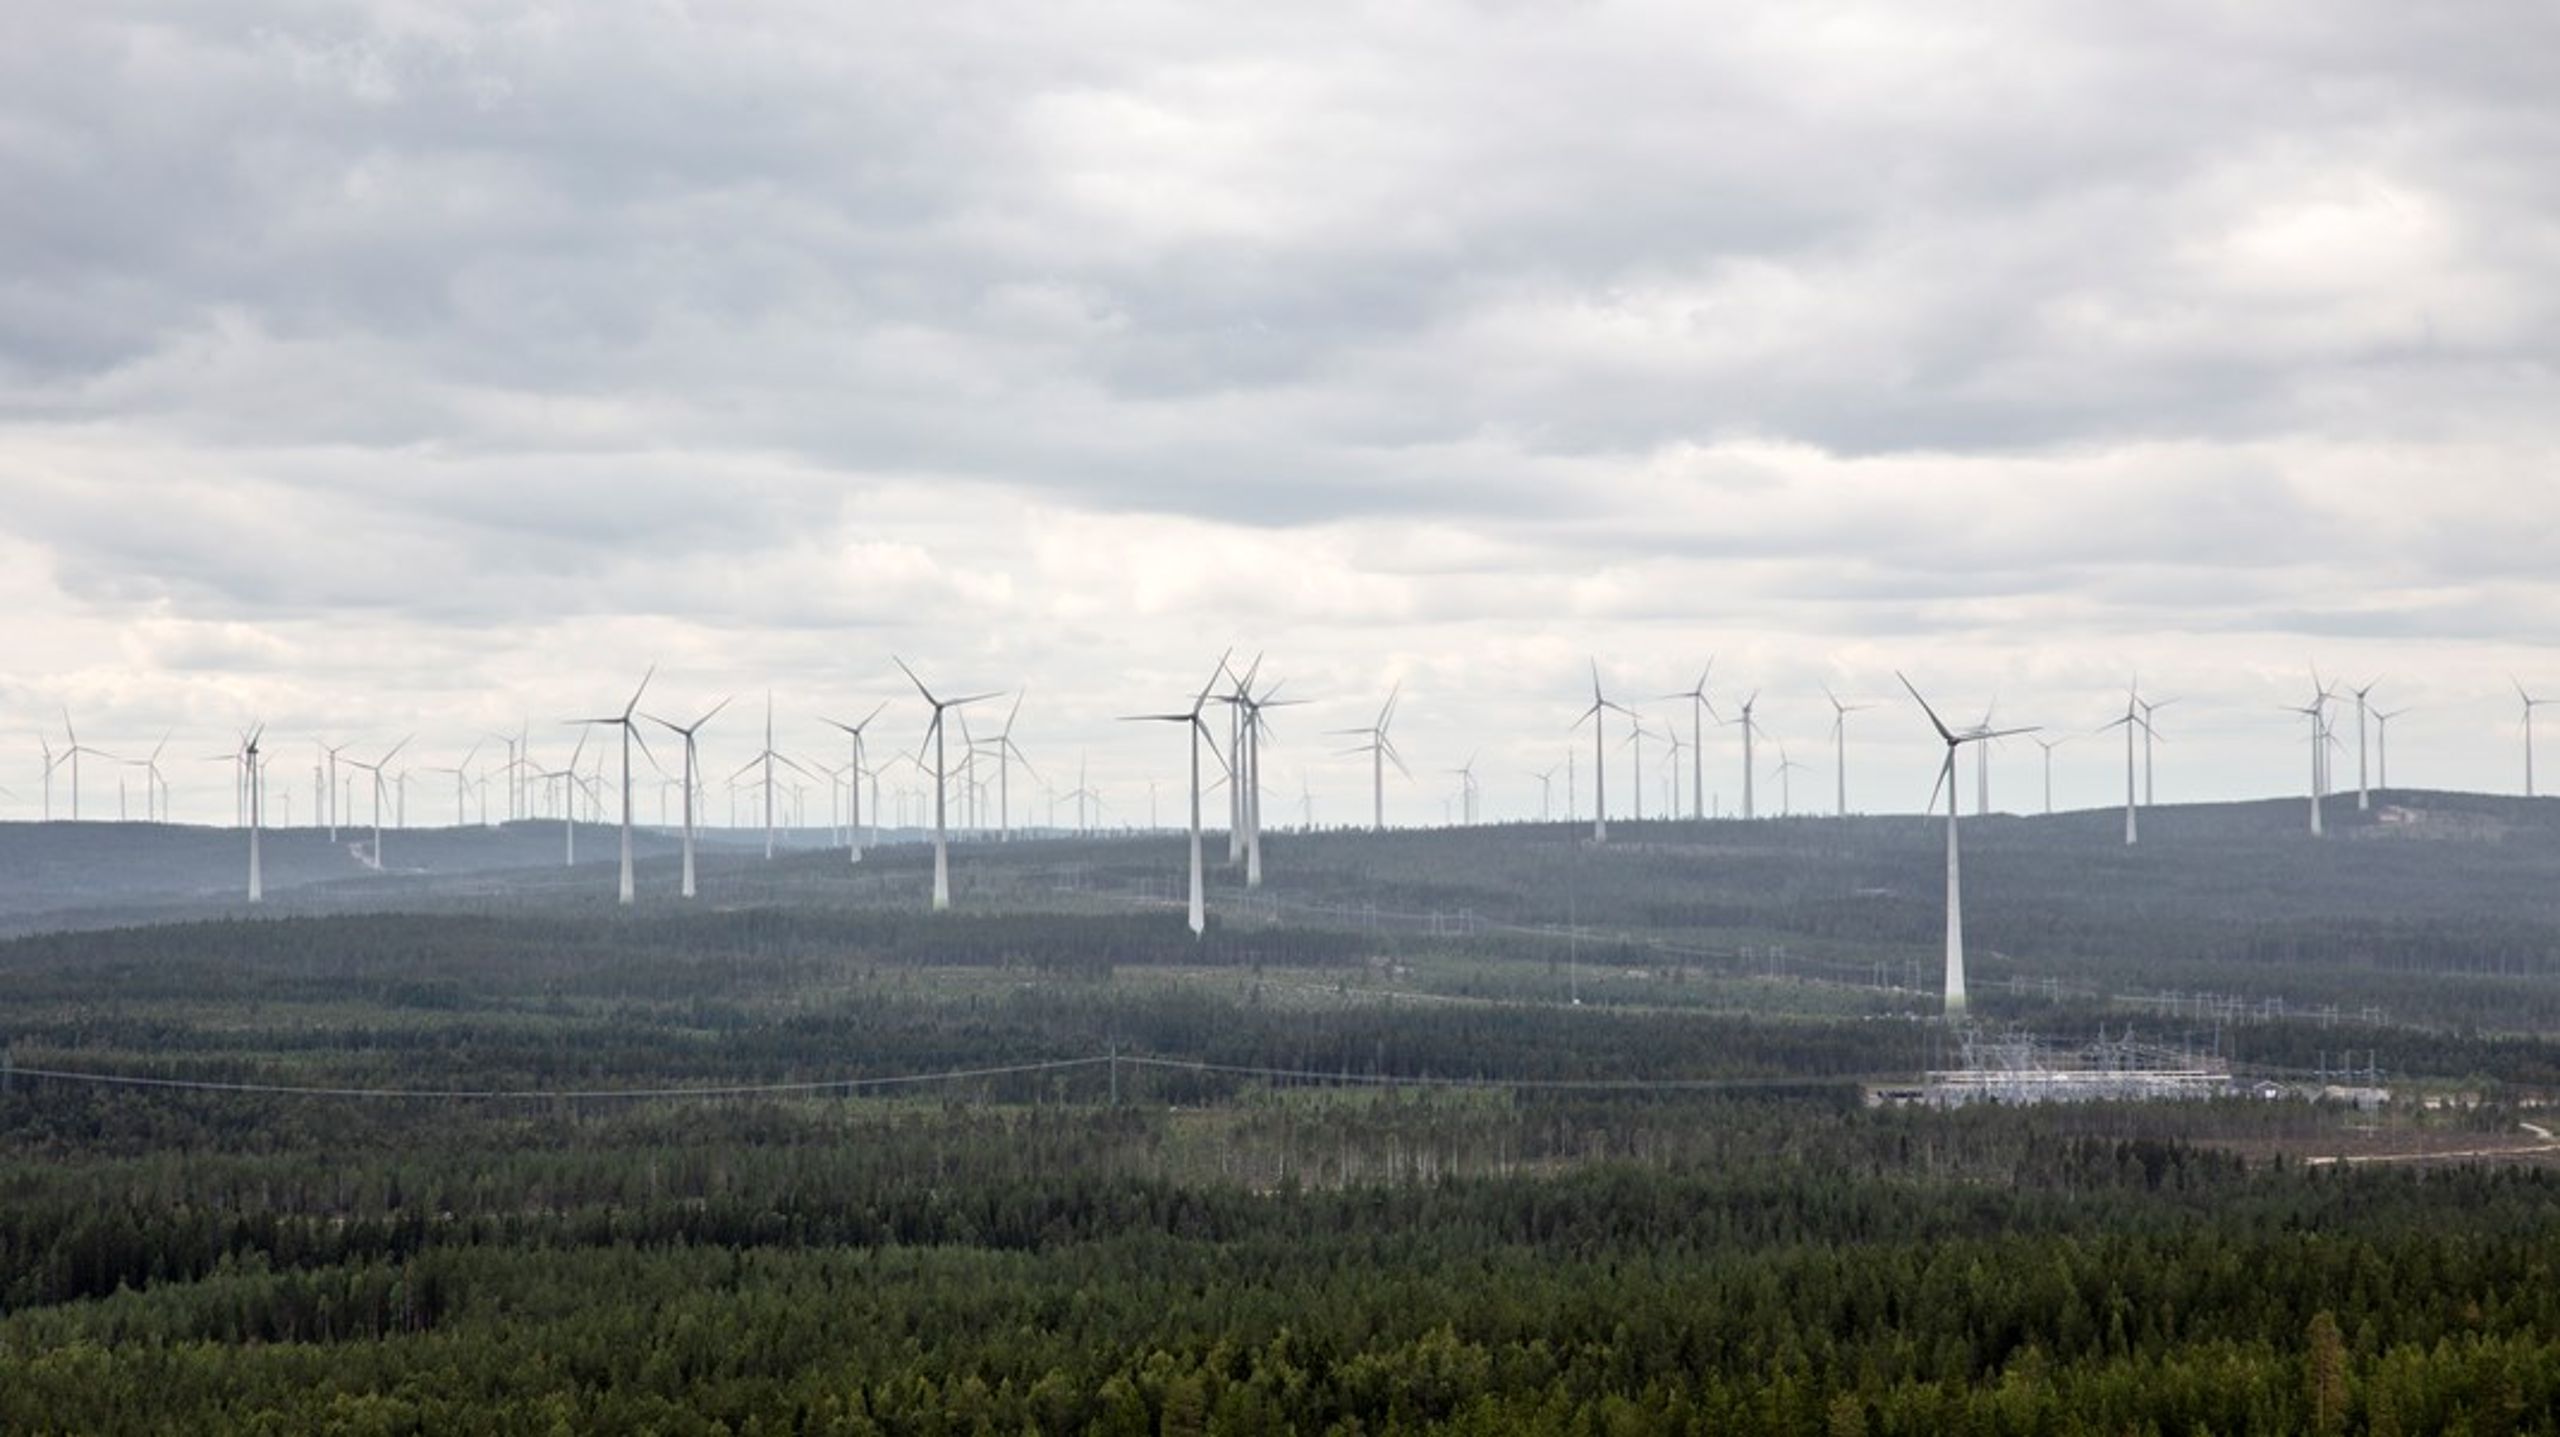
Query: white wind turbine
50 762
2319 742
2364 793
2150 732
567 778
941 779
1786 790
1840 744
1199 911
461 785
1701 708
1955 999
1637 736
257 812
1601 708
765 761
2382 747
2049 745
1546 792
853 737
1247 768
2130 723
1465 773
1750 730
2530 705
1381 751
1006 751
72 755
692 767
630 733
376 768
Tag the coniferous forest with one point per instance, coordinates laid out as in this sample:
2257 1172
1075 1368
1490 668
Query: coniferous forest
1402 1149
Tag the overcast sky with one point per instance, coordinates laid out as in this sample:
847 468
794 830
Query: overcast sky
377 367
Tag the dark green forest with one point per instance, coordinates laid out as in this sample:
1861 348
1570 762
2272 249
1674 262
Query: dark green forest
1465 1132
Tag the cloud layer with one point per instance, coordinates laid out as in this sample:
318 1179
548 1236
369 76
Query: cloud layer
372 367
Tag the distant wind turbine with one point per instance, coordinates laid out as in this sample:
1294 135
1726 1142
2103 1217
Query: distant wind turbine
1601 708
1701 708
689 733
1199 734
2364 793
854 737
1750 729
2530 705
1381 751
2382 747
941 779
630 733
2049 745
1840 743
2130 723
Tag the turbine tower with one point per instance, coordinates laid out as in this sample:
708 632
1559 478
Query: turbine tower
2530 705
2382 748
1840 743
1381 752
630 732
2132 721
1600 708
1955 999
941 779
257 814
689 732
853 736
2364 793
1700 709
1750 729
1199 910
2049 745
2319 740
2150 731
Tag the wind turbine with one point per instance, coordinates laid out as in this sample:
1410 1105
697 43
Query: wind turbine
630 732
1547 792
1786 790
2150 731
1750 728
934 736
1466 776
2382 747
1637 735
1006 751
1247 768
853 737
1701 708
1955 999
1595 715
2319 742
1840 743
688 732
1199 911
2049 745
376 769
568 780
2530 705
257 814
1381 752
2132 721
50 762
2364 794
72 753
461 785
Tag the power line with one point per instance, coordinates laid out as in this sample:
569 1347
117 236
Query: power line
734 1090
